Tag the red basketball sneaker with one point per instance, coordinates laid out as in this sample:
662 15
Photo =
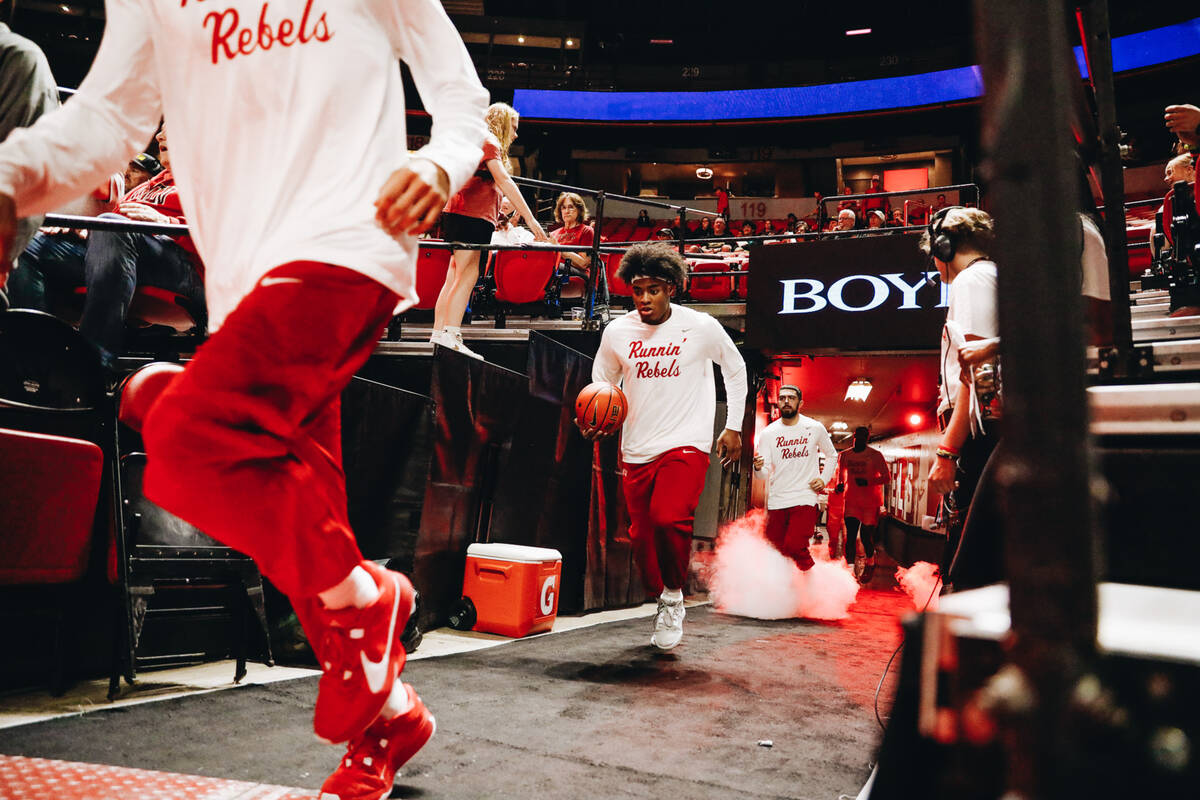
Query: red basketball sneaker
361 655
369 766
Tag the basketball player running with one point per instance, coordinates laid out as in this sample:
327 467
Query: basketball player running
788 456
862 472
306 264
662 355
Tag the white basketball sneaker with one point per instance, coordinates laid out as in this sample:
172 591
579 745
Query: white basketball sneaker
456 338
668 624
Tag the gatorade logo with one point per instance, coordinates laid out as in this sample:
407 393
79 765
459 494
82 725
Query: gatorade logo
548 594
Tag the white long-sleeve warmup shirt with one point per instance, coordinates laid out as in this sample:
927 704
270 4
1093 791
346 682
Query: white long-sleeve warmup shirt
666 373
791 458
284 119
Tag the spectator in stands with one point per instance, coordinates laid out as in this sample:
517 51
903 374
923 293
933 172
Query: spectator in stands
790 226
664 235
508 233
820 217
1179 168
959 242
720 227
845 220
801 226
876 203
723 201
853 205
747 232
571 212
768 228
112 264
1184 122
897 220
939 203
678 229
27 90
141 168
470 218
643 219
875 219
704 229
719 230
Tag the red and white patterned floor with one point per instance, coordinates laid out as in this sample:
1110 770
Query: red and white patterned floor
42 778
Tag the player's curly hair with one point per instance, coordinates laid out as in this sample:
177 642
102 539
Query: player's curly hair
657 260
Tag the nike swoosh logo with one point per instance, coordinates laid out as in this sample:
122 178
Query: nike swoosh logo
274 281
376 672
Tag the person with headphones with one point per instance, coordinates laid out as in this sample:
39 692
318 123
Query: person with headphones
959 241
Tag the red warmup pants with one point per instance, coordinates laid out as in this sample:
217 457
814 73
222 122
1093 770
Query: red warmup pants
245 444
662 496
789 529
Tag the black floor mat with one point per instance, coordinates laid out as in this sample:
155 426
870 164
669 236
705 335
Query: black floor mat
589 713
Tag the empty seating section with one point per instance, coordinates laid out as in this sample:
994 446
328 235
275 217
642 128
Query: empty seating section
710 289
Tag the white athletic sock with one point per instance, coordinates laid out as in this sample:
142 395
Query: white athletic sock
358 589
398 702
672 595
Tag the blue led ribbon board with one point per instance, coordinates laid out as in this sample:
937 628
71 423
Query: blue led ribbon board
1134 51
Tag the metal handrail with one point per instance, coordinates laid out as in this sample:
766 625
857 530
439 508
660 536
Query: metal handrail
958 187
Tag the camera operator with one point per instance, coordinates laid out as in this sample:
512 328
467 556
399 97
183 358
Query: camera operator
959 241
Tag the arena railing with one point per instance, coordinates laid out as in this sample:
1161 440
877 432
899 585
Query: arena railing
957 187
591 313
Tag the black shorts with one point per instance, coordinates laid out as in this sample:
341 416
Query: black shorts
468 230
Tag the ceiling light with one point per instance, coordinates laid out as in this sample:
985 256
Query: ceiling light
521 40
915 419
703 173
570 42
858 390
858 32
839 426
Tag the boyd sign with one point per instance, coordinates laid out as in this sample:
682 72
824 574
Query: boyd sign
807 295
872 293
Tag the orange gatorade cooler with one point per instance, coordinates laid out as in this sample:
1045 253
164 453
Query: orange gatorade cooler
514 588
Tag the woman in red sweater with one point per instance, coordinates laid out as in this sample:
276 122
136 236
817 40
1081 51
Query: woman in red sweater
571 212
470 217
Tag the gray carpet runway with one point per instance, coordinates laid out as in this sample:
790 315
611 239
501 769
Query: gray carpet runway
594 712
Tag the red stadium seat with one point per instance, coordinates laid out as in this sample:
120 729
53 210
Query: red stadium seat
51 488
616 286
432 265
56 445
521 277
716 289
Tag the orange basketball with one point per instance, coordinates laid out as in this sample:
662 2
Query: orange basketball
601 406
